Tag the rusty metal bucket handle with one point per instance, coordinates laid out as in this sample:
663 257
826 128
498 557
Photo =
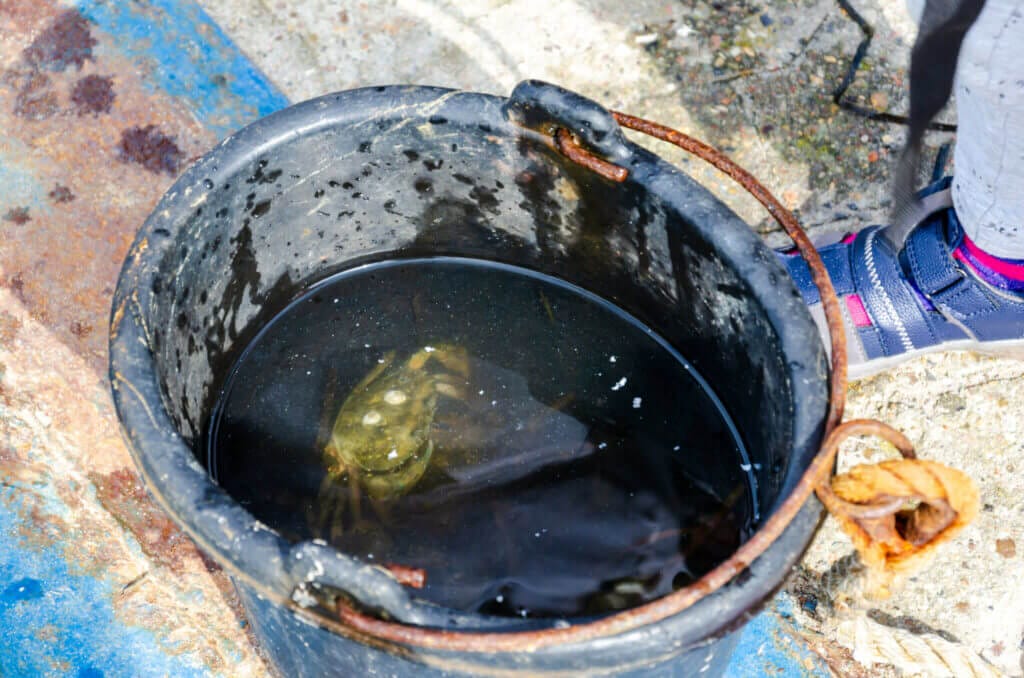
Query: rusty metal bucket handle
578 144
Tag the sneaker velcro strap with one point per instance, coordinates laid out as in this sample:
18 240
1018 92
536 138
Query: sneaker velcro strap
930 259
963 299
936 275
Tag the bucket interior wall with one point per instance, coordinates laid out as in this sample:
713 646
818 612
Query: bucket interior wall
285 214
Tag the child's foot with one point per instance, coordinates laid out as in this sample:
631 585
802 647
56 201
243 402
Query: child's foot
940 292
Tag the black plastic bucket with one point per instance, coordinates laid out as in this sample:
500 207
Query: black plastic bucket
400 172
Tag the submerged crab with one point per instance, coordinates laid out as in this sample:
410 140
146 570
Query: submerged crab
383 435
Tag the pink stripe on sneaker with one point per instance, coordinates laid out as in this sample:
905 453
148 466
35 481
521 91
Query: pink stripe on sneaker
849 238
858 313
1014 270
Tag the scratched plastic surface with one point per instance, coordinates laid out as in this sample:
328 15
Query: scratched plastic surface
562 480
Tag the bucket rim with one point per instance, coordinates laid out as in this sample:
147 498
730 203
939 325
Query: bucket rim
257 556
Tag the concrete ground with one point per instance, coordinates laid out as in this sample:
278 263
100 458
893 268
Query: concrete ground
755 79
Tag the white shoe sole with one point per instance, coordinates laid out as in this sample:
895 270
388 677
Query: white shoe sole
1010 348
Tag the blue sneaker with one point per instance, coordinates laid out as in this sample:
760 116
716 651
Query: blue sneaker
897 305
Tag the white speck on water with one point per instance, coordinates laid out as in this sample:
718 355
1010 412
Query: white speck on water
601 446
500 598
636 403
366 346
675 449
380 361
308 372
393 454
493 403
429 349
522 613
757 467
745 467
481 391
320 542
619 384
612 359
335 300
536 534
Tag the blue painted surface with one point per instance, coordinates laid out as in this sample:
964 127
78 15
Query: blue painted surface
769 646
54 621
190 58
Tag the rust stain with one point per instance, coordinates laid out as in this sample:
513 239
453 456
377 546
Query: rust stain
80 329
67 41
16 283
35 100
18 216
9 326
571 149
123 495
80 156
151 148
413 577
42 529
93 94
61 194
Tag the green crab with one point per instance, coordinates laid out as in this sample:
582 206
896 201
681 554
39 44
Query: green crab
382 439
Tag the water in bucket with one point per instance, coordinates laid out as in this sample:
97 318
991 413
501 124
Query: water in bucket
530 447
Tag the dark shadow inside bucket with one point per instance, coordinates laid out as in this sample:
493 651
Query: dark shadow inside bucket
276 218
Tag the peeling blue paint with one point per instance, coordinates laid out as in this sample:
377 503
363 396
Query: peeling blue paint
770 646
190 58
58 622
